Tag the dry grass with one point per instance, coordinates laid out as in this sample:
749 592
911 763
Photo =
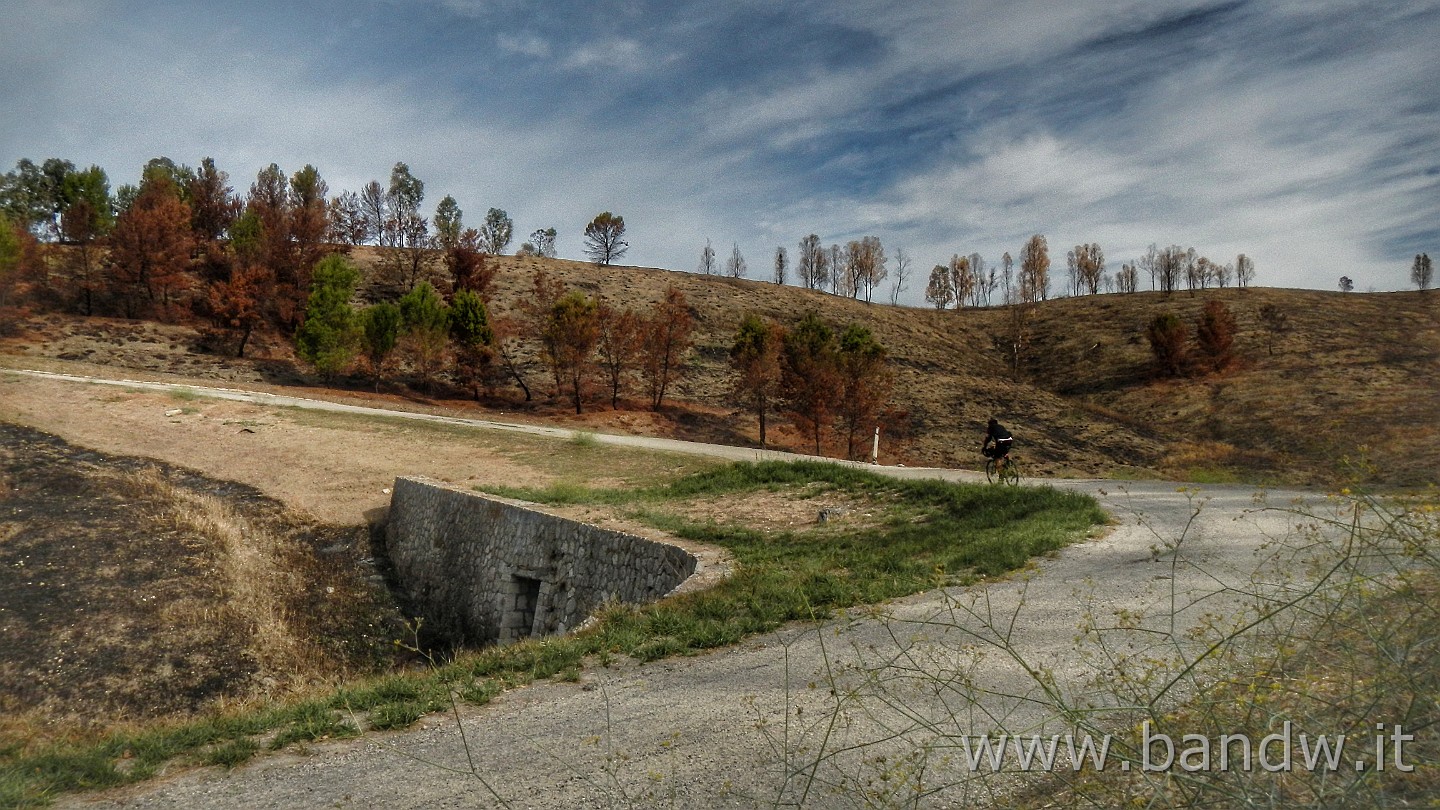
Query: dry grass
1356 377
257 584
132 592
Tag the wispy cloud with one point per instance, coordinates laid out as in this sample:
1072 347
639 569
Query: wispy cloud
1302 133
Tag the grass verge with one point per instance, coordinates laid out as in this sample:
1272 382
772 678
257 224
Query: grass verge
933 533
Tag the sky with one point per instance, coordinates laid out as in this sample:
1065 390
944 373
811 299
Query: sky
1305 134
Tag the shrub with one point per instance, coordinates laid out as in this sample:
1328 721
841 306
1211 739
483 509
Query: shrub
1215 335
1167 342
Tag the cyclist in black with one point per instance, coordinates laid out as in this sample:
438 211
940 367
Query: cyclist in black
997 433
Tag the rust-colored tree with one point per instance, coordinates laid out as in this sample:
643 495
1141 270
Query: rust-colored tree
466 264
668 335
810 377
618 347
309 222
755 357
1167 334
1215 336
236 304
865 383
570 338
150 251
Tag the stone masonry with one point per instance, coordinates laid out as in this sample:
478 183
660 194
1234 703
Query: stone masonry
481 569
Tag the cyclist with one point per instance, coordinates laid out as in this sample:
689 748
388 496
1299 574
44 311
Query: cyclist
995 432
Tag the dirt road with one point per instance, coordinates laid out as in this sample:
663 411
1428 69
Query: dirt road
761 724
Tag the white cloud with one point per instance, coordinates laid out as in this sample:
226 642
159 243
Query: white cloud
524 45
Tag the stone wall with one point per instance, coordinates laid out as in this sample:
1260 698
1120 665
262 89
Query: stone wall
481 569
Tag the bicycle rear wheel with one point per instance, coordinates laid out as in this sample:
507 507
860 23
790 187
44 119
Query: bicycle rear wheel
1011 473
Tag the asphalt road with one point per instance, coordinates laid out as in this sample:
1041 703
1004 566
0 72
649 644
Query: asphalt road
784 719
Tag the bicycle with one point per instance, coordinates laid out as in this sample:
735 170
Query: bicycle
1008 474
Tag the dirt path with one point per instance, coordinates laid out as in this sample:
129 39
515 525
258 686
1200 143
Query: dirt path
731 728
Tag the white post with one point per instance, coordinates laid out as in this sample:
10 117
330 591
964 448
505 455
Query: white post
875 451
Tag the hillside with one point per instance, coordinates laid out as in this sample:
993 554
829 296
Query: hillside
1354 380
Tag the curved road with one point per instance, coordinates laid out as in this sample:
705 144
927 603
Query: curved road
760 724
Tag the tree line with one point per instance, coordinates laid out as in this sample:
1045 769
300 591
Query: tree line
184 242
854 270
969 281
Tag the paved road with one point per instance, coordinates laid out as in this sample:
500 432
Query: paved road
745 726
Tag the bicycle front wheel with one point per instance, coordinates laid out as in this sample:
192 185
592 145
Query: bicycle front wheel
990 470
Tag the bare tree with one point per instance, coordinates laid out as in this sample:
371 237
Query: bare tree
962 281
707 260
864 267
735 265
902 275
1035 270
1007 269
874 264
809 262
348 222
1421 271
782 264
1089 262
1127 279
1169 264
374 210
1244 271
846 270
1223 274
1150 263
1188 262
983 286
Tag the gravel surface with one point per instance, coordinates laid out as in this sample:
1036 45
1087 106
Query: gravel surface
744 726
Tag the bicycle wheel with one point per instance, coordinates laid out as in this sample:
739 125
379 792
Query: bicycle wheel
1011 473
990 470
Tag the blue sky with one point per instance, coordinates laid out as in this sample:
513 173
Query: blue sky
1305 134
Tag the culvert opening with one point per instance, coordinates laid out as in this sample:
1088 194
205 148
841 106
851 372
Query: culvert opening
518 618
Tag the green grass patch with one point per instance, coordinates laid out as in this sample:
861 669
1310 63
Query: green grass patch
231 753
930 533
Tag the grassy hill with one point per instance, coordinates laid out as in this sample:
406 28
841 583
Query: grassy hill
1351 392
